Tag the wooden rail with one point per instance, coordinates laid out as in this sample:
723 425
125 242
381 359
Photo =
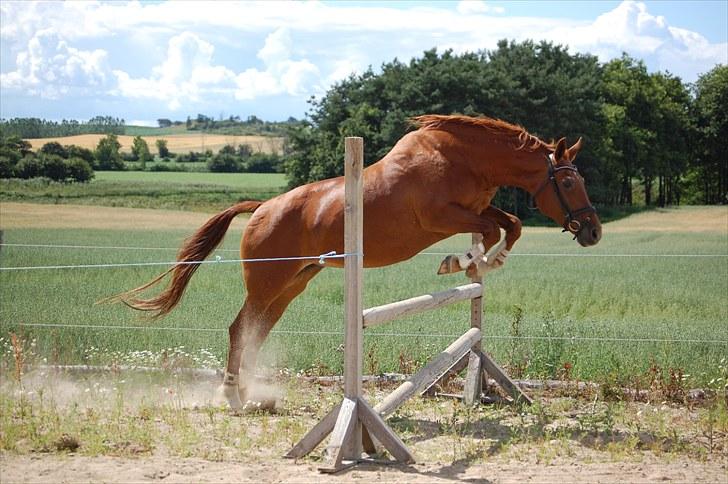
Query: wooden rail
414 305
434 369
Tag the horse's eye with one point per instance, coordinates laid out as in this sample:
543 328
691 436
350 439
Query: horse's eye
568 183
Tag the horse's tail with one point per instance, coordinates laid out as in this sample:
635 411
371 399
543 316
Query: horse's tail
195 249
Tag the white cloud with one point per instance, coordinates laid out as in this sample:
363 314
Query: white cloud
186 73
50 68
476 7
282 75
631 28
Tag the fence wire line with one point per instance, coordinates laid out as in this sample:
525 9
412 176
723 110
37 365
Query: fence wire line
217 260
538 254
377 334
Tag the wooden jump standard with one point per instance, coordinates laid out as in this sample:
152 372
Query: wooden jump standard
355 426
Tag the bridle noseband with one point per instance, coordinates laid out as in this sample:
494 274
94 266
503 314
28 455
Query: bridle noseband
571 224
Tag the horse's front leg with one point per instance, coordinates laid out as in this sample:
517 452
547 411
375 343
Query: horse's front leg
473 260
512 226
453 218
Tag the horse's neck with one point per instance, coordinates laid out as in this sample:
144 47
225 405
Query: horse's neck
517 168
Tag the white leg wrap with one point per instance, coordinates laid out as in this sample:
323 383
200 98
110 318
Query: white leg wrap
494 259
473 255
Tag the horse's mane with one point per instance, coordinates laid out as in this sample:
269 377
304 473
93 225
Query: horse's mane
525 140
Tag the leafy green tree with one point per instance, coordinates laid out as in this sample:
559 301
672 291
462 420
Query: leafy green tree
80 152
224 162
710 113
79 170
16 144
629 105
162 148
54 148
53 167
140 150
108 154
28 167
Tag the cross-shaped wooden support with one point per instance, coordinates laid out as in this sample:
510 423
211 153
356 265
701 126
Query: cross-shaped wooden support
353 424
480 365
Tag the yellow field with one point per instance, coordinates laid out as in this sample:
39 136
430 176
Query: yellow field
175 142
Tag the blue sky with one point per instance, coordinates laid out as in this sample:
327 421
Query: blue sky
146 60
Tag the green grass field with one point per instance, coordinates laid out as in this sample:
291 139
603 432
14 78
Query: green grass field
153 131
202 192
236 180
591 312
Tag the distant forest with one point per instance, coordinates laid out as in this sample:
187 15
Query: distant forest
42 128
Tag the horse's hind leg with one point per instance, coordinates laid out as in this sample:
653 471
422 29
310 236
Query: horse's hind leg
252 326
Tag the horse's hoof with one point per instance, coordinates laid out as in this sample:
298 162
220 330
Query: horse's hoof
230 395
449 265
260 405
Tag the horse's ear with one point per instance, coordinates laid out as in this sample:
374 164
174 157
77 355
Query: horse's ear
560 150
574 149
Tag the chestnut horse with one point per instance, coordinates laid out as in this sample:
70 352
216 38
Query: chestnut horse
436 182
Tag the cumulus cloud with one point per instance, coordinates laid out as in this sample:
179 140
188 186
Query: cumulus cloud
631 28
50 68
186 73
282 75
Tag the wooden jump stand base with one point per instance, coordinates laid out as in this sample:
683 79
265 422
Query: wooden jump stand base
355 427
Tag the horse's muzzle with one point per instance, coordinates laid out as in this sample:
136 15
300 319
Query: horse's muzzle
590 233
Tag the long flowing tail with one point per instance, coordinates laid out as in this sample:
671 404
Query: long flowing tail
195 249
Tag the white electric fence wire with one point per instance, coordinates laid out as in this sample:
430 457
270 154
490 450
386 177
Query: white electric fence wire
217 260
376 334
526 254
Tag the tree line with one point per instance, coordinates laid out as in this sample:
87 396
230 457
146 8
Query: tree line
43 128
74 163
645 134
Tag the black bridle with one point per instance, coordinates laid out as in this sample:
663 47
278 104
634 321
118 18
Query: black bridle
571 224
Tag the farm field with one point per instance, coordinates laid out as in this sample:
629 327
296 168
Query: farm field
177 143
638 302
196 191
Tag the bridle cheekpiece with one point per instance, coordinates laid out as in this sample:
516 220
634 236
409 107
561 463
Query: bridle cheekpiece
571 224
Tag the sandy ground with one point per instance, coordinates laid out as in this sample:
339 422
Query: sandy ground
442 453
180 143
77 469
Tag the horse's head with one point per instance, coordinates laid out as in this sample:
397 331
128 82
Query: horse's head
562 196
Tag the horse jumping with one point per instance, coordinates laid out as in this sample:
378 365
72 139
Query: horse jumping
436 182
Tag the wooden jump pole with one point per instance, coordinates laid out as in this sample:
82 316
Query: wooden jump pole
353 424
355 427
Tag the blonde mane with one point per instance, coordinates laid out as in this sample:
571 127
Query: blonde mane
525 140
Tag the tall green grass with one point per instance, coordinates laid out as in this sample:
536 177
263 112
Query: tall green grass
602 315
